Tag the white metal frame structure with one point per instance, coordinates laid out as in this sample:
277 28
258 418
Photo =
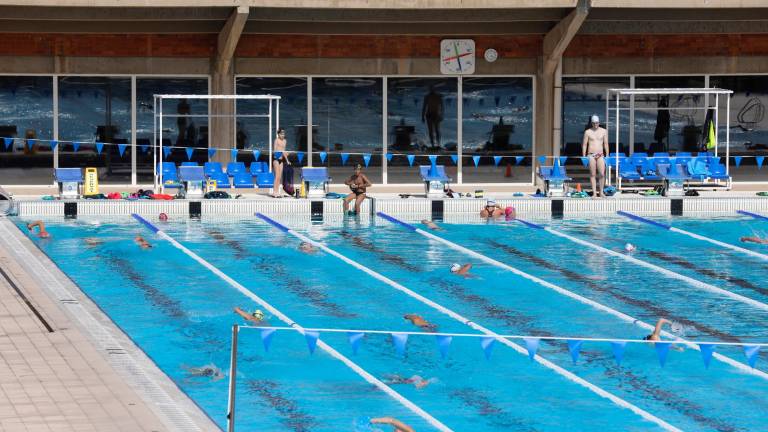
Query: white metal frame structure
158 123
617 93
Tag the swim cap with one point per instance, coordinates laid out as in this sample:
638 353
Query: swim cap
258 314
629 247
508 211
455 267
490 202
163 216
595 118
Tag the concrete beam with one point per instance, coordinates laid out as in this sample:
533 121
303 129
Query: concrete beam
558 39
326 4
229 37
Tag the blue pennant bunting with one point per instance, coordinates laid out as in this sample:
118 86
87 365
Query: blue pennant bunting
487 344
266 338
7 142
563 159
311 337
121 149
31 143
532 345
443 343
706 353
585 161
144 148
189 150
233 154
99 147
618 351
662 349
574 346
496 160
344 158
75 146
300 156
367 159
410 159
211 153
354 339
518 159
166 152
455 159
256 155
737 160
751 352
400 339
323 155
759 160
54 144
389 157
476 160
432 159
542 160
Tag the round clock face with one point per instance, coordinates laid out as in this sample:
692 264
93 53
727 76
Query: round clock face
457 56
491 55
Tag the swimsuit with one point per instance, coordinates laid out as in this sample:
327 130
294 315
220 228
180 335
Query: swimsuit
596 156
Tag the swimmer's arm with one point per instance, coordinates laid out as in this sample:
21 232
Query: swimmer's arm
243 314
584 144
399 426
605 144
366 183
659 324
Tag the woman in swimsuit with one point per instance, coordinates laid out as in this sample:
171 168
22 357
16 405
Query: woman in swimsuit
277 163
358 182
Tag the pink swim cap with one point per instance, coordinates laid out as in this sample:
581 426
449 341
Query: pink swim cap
508 211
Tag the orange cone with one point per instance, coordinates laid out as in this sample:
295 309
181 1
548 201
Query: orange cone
508 172
578 187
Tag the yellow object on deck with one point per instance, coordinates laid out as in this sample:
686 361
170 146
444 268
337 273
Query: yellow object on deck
210 185
91 182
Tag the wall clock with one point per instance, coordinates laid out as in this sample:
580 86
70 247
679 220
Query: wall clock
457 56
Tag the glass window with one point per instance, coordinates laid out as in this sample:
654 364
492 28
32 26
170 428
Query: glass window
185 122
749 124
497 121
422 120
347 115
95 109
26 113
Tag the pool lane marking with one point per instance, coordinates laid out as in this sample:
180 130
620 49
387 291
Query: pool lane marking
740 249
275 312
581 299
754 215
523 351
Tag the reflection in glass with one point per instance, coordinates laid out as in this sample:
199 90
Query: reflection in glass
583 97
26 112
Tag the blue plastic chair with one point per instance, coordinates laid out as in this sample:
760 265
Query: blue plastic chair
234 168
258 167
211 168
265 180
170 176
242 180
189 164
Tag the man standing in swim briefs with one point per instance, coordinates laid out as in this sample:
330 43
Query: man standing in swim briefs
595 146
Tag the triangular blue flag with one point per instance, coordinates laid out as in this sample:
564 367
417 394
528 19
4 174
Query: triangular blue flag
487 344
7 142
166 152
367 159
266 338
189 150
585 161
121 149
31 143
344 157
759 160
476 160
300 156
662 349
389 156
144 148
211 153
75 146
323 155
563 159
706 353
542 159
751 351
257 154
618 351
496 160
354 340
443 343
99 147
455 159
737 160
432 159
532 345
54 143
518 159
574 346
400 339
410 159
311 337
233 154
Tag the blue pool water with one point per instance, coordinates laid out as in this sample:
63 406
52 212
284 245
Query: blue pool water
180 314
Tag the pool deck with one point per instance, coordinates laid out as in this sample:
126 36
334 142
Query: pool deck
64 366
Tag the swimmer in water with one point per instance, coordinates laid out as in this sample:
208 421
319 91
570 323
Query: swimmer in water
307 247
757 240
656 335
41 227
90 241
163 217
142 242
461 270
217 235
209 370
491 210
431 225
395 423
257 317
629 247
416 380
420 322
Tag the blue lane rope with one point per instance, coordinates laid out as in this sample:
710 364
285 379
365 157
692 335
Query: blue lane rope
272 222
644 220
396 221
145 222
530 224
754 215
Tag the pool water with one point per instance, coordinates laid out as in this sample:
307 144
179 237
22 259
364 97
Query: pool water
180 314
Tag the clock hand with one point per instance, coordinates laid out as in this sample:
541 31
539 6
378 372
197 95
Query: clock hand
458 58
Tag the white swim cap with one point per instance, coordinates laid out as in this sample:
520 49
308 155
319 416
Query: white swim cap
490 202
455 267
595 118
629 247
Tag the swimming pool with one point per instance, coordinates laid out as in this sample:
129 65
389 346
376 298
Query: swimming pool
180 314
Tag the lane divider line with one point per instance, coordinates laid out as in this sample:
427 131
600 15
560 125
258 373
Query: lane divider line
754 215
284 318
584 300
544 362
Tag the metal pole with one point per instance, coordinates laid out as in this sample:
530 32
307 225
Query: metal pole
618 122
232 375
459 129
384 134
727 134
269 135
309 115
154 142
607 126
55 92
717 117
160 122
277 119
133 130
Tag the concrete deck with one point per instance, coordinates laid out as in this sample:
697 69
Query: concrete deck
56 375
